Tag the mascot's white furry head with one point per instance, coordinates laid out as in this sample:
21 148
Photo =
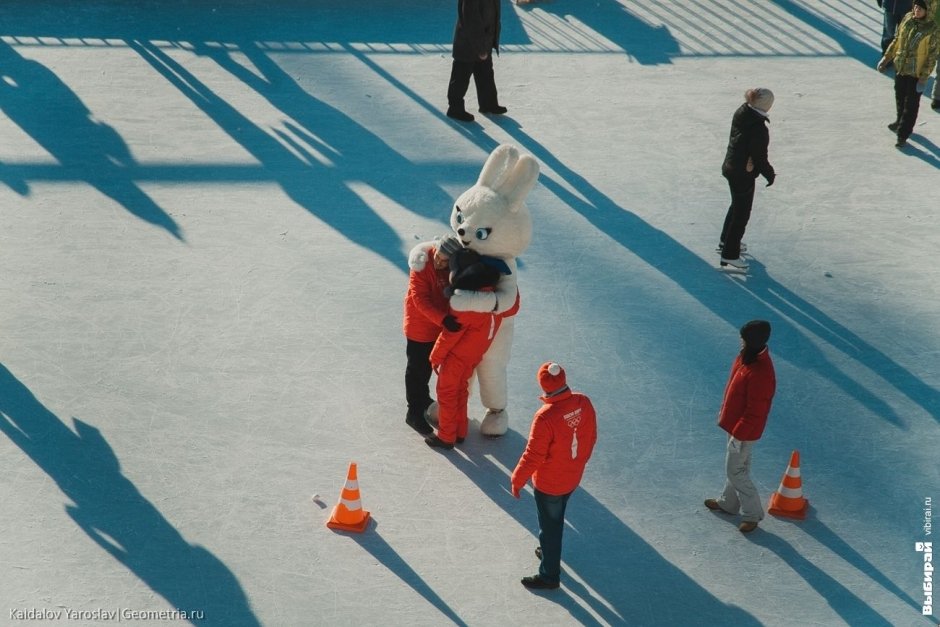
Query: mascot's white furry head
491 217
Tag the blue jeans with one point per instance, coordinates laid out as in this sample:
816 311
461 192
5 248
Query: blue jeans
551 510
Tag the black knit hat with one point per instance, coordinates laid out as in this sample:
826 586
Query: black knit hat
469 272
921 3
755 335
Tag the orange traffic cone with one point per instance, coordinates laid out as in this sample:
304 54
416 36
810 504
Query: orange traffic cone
348 514
788 499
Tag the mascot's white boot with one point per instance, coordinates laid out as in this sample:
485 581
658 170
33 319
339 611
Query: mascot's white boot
491 374
495 423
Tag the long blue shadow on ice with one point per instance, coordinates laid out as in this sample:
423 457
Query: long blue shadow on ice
377 547
41 104
865 52
625 579
648 44
294 155
849 606
818 530
793 318
116 516
922 148
355 153
295 23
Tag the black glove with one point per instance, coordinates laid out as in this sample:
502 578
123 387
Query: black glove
771 179
450 323
448 292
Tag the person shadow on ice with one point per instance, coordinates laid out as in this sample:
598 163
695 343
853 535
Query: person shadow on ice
44 107
116 516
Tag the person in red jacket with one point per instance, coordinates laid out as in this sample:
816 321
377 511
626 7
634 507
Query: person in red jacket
457 353
426 312
744 410
561 440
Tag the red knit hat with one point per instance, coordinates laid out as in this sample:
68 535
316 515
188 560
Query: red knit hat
551 377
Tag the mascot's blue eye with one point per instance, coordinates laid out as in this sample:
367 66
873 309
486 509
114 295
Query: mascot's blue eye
459 218
483 233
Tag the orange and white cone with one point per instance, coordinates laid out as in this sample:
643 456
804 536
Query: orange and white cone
348 514
788 500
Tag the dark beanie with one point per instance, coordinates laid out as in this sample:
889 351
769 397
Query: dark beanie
921 3
755 335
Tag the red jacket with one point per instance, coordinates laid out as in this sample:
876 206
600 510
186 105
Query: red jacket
561 441
425 303
473 339
748 395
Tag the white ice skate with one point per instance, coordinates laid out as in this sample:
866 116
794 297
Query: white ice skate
738 264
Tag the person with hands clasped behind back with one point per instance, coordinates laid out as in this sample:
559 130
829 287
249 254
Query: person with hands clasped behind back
463 342
476 35
426 312
914 52
743 415
745 160
561 440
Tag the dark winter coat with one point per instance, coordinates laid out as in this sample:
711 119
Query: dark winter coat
898 8
748 396
477 29
748 144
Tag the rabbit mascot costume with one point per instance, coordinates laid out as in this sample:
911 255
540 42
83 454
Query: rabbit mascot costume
491 218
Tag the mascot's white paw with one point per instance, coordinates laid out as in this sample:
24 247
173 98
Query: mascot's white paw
430 414
495 423
418 256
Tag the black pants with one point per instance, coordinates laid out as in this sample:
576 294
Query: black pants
742 199
483 79
417 376
908 103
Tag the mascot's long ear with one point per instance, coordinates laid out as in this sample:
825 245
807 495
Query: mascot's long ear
515 187
498 166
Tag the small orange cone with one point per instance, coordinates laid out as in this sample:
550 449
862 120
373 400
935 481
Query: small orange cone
348 514
788 499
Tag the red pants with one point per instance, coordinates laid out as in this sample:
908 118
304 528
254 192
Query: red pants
453 394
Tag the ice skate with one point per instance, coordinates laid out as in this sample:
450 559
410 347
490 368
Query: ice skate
737 264
720 247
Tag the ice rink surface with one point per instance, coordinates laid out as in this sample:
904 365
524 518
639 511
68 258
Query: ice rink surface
206 213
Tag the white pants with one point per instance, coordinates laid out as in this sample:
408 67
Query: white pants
740 493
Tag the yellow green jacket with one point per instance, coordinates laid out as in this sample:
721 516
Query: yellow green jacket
916 46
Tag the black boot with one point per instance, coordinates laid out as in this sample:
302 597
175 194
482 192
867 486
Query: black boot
459 114
435 442
494 109
416 421
535 582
